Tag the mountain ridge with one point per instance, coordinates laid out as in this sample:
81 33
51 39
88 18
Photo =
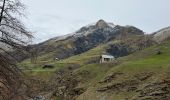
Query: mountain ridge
85 39
162 34
92 26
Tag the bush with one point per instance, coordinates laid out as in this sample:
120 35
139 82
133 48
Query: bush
159 52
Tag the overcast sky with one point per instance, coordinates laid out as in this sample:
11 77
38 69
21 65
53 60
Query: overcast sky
51 18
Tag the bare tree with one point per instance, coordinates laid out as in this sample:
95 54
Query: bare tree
33 55
13 34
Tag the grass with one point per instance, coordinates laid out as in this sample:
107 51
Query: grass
36 70
89 55
94 73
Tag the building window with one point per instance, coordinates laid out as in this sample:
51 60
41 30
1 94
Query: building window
106 59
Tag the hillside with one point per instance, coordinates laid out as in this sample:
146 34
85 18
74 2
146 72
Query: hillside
139 76
115 47
142 75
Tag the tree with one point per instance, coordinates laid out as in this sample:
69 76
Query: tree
33 55
13 34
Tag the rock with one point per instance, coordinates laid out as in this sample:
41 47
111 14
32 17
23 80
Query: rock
132 88
143 76
110 77
159 90
119 50
78 91
130 85
39 98
101 24
62 88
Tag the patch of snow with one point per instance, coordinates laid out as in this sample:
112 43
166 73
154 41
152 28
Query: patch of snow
112 25
80 34
162 30
92 24
128 26
63 37
162 34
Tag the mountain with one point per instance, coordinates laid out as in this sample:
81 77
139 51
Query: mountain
162 34
84 39
141 75
139 72
101 24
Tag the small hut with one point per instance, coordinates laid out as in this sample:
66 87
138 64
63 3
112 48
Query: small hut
106 58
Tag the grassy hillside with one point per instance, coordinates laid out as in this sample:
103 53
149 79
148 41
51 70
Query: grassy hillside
90 57
134 43
143 75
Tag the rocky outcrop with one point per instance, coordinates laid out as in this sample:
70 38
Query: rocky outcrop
128 46
119 50
111 77
155 91
139 86
67 85
101 24
125 86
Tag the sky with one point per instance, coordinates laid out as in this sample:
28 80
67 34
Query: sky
52 18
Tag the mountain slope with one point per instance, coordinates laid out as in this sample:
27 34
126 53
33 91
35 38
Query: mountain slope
84 39
116 48
143 75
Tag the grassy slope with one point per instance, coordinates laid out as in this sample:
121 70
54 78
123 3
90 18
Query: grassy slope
89 55
77 59
139 62
145 61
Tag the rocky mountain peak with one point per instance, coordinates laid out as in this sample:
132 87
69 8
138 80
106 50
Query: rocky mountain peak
101 24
